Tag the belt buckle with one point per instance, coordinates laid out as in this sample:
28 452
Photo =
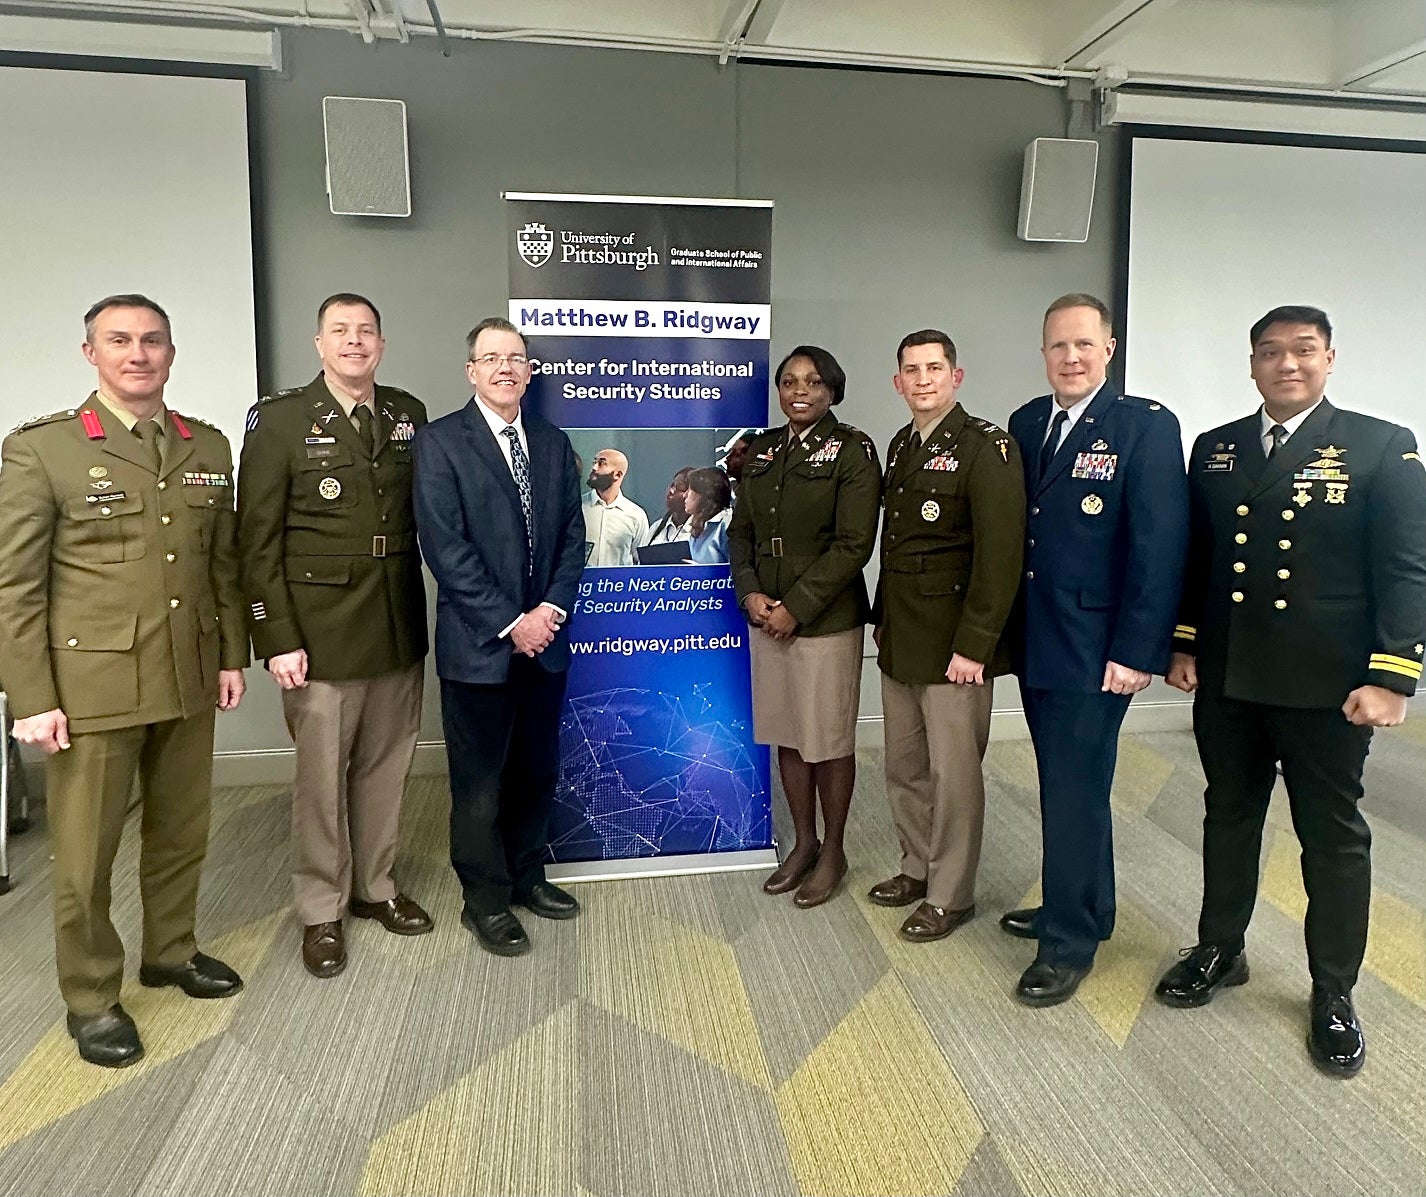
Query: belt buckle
378 546
777 546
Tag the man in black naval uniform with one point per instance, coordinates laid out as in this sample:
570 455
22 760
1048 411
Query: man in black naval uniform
1301 629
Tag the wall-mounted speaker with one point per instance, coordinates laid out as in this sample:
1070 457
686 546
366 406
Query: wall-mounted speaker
1057 189
368 171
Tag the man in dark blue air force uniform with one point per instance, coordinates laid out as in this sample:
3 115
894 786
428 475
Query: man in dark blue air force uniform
1105 535
1301 629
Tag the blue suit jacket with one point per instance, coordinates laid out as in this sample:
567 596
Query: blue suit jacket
1104 556
473 540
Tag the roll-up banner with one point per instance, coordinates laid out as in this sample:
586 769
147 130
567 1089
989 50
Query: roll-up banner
647 322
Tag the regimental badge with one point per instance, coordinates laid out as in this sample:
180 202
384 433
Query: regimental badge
1091 505
1101 445
403 431
98 472
1004 450
930 511
1336 492
316 429
329 488
945 462
1097 467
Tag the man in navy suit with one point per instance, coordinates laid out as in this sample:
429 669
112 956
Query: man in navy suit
500 526
1106 533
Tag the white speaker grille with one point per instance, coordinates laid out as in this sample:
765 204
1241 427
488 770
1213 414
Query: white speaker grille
1057 189
368 173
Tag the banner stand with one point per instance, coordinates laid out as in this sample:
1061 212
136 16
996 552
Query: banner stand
662 866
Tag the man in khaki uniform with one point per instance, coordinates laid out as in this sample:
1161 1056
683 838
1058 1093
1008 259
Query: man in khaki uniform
951 548
337 602
124 628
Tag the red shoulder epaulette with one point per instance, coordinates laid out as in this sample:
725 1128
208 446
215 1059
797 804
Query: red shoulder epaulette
92 427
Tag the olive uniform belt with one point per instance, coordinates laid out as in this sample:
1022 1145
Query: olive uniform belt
923 563
350 546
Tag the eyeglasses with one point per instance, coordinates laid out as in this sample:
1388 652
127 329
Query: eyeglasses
489 360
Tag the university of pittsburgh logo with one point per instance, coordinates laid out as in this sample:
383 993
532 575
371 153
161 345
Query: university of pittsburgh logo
535 243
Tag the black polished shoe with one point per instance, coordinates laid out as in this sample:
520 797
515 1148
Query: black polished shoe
110 1039
1202 972
201 977
1045 984
1335 1039
548 901
1020 923
500 933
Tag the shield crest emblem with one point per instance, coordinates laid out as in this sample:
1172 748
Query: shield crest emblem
535 244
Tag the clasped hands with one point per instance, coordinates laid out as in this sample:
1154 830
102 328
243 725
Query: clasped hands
771 616
535 631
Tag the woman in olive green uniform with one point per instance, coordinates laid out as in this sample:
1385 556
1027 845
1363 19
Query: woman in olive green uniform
803 527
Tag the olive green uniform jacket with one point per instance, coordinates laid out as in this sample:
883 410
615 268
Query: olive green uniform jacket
804 524
952 543
327 534
119 594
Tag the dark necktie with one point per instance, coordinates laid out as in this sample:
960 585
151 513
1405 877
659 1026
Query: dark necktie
366 427
1278 434
148 433
1052 442
520 467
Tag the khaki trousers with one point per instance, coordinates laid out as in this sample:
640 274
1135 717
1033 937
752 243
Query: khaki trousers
89 785
355 740
935 742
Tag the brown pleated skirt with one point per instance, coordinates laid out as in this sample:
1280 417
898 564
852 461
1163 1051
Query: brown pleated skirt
806 692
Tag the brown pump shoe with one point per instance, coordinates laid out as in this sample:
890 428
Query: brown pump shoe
324 949
900 890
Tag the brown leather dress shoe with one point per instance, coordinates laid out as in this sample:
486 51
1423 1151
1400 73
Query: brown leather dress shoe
928 922
900 890
399 915
324 949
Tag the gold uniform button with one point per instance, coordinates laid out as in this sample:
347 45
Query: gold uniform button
1289 514
1284 544
1239 567
1242 509
72 642
163 485
1284 574
1237 596
106 511
165 519
173 602
1241 538
1281 604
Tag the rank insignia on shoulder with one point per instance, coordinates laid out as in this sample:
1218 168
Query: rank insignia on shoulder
943 461
1419 649
1411 457
1155 406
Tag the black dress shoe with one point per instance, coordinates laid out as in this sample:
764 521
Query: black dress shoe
1202 972
201 977
1021 923
399 915
500 933
110 1039
1045 984
548 901
1336 1041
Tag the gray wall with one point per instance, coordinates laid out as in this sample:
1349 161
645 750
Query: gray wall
896 199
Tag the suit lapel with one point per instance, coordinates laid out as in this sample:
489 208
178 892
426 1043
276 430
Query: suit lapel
482 440
1301 447
118 440
1085 429
177 448
327 415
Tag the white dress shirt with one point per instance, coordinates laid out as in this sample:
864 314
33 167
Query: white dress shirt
1074 412
612 531
1291 425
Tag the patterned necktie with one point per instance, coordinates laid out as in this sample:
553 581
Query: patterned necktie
520 467
1279 435
148 433
366 427
1052 442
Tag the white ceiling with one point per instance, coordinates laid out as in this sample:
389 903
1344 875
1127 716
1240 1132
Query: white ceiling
1360 48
